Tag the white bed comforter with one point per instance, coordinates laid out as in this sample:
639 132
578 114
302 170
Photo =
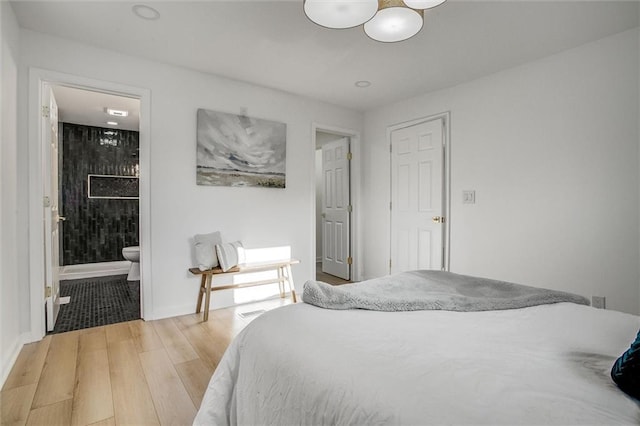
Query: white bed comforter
539 365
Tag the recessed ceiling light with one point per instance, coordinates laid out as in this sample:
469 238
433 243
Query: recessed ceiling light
145 12
362 83
117 112
112 123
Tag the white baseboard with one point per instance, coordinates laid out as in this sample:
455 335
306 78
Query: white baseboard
172 311
90 270
7 364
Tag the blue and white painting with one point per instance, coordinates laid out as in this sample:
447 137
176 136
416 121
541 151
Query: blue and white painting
236 150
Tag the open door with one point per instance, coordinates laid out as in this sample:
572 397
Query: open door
51 214
336 209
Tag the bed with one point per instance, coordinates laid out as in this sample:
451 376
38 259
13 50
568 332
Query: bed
543 364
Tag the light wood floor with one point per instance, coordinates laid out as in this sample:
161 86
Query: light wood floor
133 373
327 278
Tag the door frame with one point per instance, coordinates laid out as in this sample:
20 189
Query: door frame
446 178
354 185
37 77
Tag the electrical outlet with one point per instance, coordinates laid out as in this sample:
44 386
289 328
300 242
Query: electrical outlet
598 302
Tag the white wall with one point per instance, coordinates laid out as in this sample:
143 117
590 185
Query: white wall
260 217
10 329
551 148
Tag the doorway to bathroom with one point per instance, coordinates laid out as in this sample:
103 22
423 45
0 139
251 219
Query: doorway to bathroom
92 231
41 270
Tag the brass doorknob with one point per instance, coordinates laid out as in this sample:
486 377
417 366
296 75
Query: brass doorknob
438 219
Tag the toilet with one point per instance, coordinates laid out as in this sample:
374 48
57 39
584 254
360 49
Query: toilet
132 254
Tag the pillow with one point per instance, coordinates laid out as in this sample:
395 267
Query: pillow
205 256
626 370
205 250
230 255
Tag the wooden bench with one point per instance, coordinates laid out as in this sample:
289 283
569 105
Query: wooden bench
284 276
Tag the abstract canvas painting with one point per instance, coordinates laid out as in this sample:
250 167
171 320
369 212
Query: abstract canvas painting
236 150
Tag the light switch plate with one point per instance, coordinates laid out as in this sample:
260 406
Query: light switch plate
468 197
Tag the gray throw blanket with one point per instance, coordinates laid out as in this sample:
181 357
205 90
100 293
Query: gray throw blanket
431 290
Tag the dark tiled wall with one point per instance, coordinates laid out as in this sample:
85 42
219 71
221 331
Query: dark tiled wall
96 229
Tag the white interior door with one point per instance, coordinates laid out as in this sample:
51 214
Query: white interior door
336 208
417 176
51 213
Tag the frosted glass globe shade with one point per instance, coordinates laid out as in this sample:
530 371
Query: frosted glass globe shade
423 4
340 13
394 24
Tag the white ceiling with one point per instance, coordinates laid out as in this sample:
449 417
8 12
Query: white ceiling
272 43
89 108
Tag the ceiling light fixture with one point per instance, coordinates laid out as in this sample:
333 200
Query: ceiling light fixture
387 21
112 123
362 83
145 12
117 112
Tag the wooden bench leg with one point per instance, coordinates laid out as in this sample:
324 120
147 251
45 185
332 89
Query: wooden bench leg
290 280
281 281
207 297
200 293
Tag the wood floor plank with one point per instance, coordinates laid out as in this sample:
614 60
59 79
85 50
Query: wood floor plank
176 344
171 399
195 376
229 319
16 404
28 366
145 336
111 421
118 332
132 400
54 414
223 330
225 314
59 372
97 341
92 398
209 348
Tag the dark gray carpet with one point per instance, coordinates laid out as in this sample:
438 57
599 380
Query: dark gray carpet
98 301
